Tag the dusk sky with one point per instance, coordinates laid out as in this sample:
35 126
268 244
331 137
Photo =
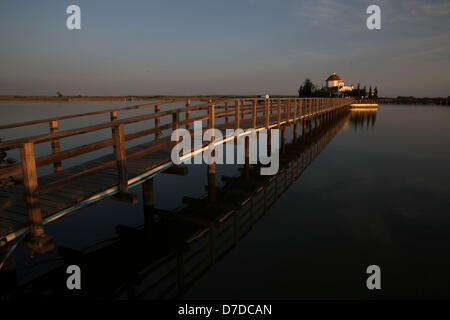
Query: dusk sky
222 47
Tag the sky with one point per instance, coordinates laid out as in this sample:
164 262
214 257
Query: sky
222 46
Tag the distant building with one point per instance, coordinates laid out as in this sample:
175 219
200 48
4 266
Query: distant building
336 85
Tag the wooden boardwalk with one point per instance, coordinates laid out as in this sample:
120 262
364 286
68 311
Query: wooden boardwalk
29 206
169 256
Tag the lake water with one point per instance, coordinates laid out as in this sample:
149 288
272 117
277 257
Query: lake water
377 194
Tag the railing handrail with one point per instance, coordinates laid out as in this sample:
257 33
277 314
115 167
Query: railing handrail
78 115
128 108
16 143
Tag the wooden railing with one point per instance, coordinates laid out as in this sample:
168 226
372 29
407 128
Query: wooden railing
366 101
233 111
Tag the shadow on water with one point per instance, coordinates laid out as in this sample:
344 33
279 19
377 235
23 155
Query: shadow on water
164 257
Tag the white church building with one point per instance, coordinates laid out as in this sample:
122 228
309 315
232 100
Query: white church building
336 84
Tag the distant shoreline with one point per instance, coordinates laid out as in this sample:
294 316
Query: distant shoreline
443 101
117 98
382 100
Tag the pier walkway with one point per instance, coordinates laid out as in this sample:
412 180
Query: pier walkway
28 206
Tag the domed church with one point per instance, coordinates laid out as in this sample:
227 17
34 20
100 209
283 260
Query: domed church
336 84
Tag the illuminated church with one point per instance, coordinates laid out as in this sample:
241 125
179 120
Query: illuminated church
336 85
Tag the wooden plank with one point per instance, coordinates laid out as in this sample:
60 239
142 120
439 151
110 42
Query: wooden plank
8 225
19 217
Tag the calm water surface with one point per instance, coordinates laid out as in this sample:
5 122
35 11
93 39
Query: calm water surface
379 193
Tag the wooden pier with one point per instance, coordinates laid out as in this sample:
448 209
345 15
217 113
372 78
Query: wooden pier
27 207
162 259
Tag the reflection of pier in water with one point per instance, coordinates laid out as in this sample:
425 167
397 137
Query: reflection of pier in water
165 256
363 118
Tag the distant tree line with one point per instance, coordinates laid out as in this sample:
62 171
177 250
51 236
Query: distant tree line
443 101
310 90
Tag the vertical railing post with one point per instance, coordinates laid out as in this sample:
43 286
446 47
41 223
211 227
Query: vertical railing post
288 113
237 114
254 115
295 121
113 117
211 118
279 113
211 166
30 182
157 123
188 114
295 116
57 166
121 157
301 106
176 125
226 112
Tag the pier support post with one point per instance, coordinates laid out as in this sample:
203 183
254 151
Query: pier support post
247 158
211 125
212 183
37 240
121 157
212 245
149 205
304 129
295 130
148 193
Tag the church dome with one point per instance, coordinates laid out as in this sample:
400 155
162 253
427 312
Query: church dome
334 77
